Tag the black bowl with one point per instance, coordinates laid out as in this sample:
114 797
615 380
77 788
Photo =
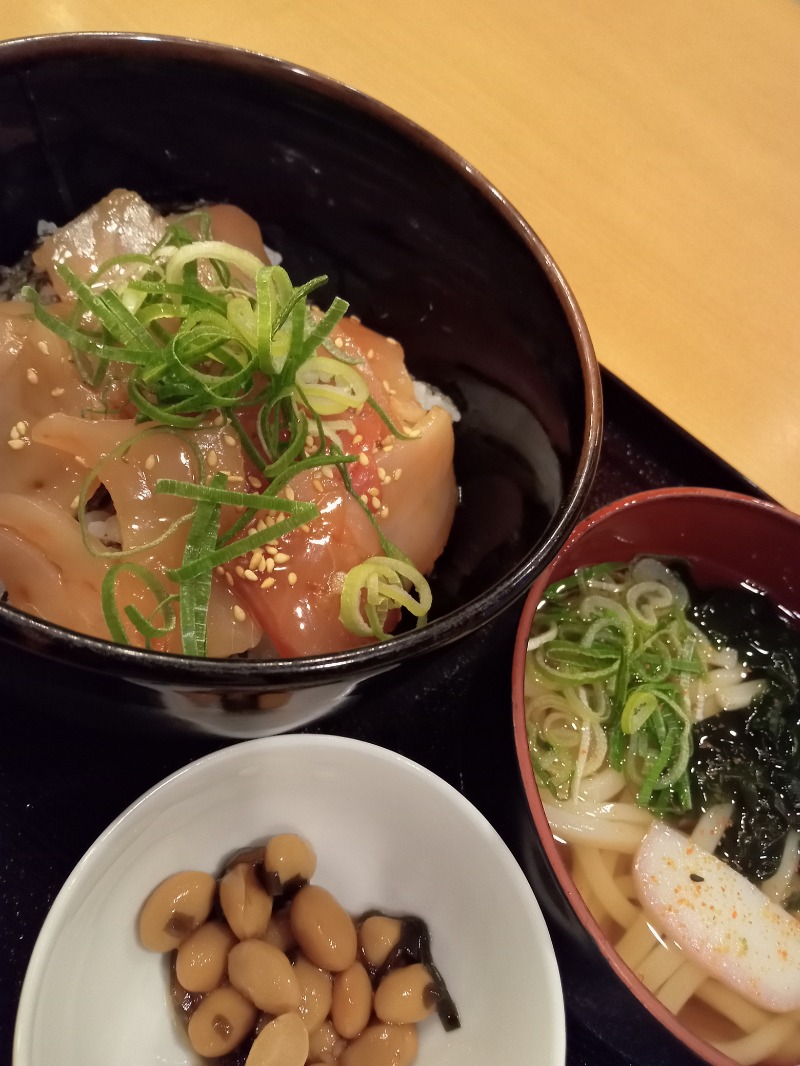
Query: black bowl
423 247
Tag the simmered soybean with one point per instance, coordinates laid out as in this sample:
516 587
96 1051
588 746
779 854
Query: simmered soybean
266 962
221 1022
323 929
175 908
382 1045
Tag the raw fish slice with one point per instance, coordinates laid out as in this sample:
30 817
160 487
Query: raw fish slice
122 223
302 618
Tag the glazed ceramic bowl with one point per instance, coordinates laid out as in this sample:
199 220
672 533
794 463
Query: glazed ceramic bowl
387 833
424 247
727 539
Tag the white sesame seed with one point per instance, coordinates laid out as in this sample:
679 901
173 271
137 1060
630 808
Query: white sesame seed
370 353
250 575
376 503
42 346
364 498
327 471
14 433
282 557
235 479
289 492
256 558
220 571
391 340
57 392
268 582
363 459
261 525
229 440
239 571
306 528
372 492
74 505
357 439
388 448
16 444
381 473
211 458
269 564
22 427
339 342
398 473
255 482
317 484
238 613
384 512
271 549
150 462
32 376
292 578
229 578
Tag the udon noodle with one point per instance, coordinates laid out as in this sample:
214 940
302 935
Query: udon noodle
605 783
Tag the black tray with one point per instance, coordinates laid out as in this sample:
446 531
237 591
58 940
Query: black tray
60 788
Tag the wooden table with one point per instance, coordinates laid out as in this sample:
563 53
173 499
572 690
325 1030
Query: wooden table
655 148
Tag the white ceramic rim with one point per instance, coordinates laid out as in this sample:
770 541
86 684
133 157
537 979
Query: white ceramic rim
84 870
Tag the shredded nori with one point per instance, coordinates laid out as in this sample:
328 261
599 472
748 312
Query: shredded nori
751 757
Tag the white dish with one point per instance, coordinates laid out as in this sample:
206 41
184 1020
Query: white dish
388 833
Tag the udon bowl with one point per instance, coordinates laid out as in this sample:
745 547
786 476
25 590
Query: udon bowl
727 539
387 833
423 247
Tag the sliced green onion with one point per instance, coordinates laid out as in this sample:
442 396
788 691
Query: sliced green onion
108 600
376 586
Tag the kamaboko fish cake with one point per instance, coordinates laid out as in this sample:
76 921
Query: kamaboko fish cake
202 460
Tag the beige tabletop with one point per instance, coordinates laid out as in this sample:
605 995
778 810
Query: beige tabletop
654 147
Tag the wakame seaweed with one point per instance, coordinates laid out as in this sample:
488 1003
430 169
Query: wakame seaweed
751 757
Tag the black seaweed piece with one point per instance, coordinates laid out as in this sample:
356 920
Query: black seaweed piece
414 945
751 757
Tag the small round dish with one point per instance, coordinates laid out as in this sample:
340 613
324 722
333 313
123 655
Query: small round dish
727 539
388 834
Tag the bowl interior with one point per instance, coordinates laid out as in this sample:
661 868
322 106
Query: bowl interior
728 539
423 248
388 834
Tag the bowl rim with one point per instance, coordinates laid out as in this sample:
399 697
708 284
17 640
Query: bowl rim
244 753
155 668
707 1052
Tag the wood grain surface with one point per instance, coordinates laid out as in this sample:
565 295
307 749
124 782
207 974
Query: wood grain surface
655 149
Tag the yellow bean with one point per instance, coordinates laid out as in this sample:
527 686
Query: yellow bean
351 1003
325 1044
288 860
316 988
377 936
283 1042
202 958
247 906
323 929
264 975
221 1022
405 995
382 1045
279 931
175 908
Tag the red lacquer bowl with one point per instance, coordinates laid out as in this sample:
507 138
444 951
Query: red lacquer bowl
727 539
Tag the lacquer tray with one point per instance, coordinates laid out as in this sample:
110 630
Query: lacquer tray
60 787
